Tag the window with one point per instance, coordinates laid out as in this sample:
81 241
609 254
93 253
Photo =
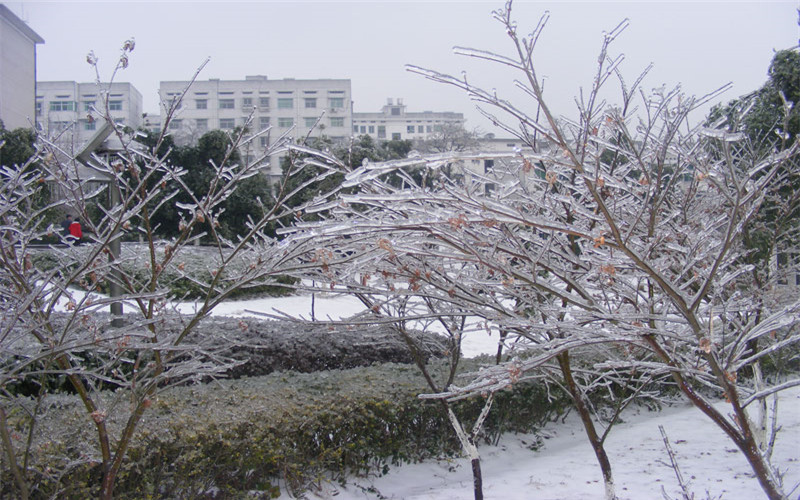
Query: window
309 121
115 105
201 103
247 102
311 102
59 126
175 124
428 129
263 102
226 104
420 129
285 122
336 102
381 131
87 105
285 102
38 108
395 136
395 111
410 129
371 129
89 124
227 123
337 121
364 129
355 129
62 106
202 124
263 122
264 141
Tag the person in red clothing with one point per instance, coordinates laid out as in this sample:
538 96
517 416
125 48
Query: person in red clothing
75 231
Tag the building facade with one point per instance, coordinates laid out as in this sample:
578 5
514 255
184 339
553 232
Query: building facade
17 70
69 111
393 122
273 108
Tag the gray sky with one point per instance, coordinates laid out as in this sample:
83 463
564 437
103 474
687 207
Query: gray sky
700 45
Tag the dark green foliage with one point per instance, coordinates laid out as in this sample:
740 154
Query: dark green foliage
18 146
763 118
252 198
239 436
352 155
766 117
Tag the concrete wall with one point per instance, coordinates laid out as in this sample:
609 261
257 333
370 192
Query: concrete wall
17 71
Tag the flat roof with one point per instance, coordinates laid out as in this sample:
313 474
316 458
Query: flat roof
19 24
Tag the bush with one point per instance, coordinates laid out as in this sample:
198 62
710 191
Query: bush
188 282
287 429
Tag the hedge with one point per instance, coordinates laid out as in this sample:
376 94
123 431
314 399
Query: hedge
253 437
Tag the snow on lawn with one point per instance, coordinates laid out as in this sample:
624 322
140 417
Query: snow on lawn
564 467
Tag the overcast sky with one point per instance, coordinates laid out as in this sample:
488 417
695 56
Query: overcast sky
699 45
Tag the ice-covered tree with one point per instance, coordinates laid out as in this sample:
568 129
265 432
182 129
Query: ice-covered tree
53 327
611 257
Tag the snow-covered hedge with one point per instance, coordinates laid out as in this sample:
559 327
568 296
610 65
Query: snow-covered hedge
285 430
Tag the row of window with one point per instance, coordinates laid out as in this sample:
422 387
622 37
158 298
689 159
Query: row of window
263 122
264 103
411 129
115 105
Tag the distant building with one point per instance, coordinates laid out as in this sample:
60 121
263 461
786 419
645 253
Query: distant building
287 106
70 110
393 122
151 122
17 70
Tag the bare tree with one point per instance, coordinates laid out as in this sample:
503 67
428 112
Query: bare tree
52 326
449 137
620 245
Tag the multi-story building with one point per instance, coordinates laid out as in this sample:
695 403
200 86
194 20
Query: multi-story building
70 110
287 106
17 70
393 122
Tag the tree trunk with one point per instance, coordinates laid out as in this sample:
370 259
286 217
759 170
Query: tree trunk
477 478
588 425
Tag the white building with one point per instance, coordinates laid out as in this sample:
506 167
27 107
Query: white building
17 70
393 122
70 110
297 107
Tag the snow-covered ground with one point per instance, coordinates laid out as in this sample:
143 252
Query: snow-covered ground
564 466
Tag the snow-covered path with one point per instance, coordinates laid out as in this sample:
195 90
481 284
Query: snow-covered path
564 467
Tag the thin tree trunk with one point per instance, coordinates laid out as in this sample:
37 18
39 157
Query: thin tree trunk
742 436
19 478
588 425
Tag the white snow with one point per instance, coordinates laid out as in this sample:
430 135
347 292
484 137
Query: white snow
564 467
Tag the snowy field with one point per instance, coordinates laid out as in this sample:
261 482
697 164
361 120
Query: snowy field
564 467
